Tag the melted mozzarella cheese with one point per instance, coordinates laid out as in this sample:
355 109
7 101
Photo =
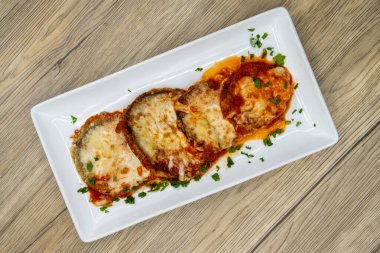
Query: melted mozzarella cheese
111 158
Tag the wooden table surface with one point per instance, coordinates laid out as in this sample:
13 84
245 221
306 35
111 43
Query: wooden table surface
327 202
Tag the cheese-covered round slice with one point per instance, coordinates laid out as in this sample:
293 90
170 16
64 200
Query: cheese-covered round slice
258 94
103 158
202 117
156 137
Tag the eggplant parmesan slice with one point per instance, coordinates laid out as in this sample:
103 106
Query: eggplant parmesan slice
202 117
155 136
258 94
103 158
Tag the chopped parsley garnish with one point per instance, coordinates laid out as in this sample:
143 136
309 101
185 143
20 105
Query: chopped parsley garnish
142 194
265 35
255 41
262 159
294 111
248 147
217 168
83 190
229 162
267 84
125 189
270 49
184 183
115 199
256 81
129 200
296 86
204 166
197 178
91 181
175 184
279 59
158 186
89 166
251 56
315 125
300 111
247 155
298 123
288 122
265 52
251 29
286 85
275 100
198 69
135 187
249 161
242 58
215 177
96 158
233 149
129 90
104 208
267 141
115 178
73 119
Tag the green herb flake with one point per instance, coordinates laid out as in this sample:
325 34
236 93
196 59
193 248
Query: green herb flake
175 184
288 122
83 190
229 162
135 187
96 158
198 69
91 181
247 155
129 200
267 142
296 86
89 166
300 111
267 84
217 168
262 159
73 119
279 59
115 178
264 54
298 123
251 56
197 178
216 177
258 43
275 100
249 161
142 194
248 147
184 183
242 58
129 90
115 199
315 125
251 29
286 85
234 149
294 111
204 167
256 81
104 208
126 190
265 35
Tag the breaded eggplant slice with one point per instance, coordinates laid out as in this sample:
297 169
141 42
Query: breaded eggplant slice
103 158
258 94
202 117
156 138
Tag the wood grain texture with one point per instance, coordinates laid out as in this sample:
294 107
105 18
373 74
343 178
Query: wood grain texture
324 203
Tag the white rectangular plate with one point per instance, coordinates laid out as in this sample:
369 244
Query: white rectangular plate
176 69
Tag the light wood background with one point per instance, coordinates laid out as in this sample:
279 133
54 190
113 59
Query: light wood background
327 202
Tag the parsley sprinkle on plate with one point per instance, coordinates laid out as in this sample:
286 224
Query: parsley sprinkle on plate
73 119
